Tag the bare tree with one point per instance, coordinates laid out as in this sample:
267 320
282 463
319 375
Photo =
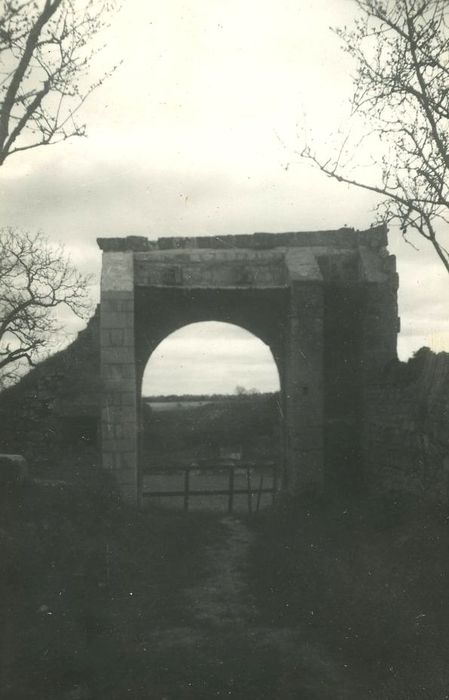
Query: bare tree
47 48
36 279
400 114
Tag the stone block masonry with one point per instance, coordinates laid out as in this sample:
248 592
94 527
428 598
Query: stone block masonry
317 299
406 428
118 373
326 305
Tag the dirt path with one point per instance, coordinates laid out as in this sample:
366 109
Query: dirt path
223 598
226 652
99 603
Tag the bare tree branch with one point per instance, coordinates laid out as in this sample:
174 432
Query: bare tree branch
401 104
36 279
48 48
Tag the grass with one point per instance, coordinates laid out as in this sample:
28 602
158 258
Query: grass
368 581
84 582
349 601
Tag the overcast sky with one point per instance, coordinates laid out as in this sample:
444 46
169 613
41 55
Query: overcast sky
196 134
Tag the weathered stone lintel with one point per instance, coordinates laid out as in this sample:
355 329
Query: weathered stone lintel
215 274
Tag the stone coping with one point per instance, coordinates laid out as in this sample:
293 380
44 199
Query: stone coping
374 237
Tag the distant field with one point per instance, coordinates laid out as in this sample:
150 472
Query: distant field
176 405
180 431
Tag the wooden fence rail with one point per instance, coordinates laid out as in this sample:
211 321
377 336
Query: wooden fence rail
187 492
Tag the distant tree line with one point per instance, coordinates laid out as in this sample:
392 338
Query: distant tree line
194 433
177 398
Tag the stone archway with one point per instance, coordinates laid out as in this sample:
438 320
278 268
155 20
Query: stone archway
200 406
321 301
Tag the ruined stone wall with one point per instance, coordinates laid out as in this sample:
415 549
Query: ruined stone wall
56 405
406 428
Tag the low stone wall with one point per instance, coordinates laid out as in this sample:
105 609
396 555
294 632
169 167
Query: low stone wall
406 428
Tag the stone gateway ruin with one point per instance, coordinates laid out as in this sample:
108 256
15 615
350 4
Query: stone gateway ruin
324 302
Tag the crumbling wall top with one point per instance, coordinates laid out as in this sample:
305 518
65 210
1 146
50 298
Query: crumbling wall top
374 237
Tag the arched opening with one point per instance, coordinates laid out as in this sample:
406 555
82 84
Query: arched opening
211 415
